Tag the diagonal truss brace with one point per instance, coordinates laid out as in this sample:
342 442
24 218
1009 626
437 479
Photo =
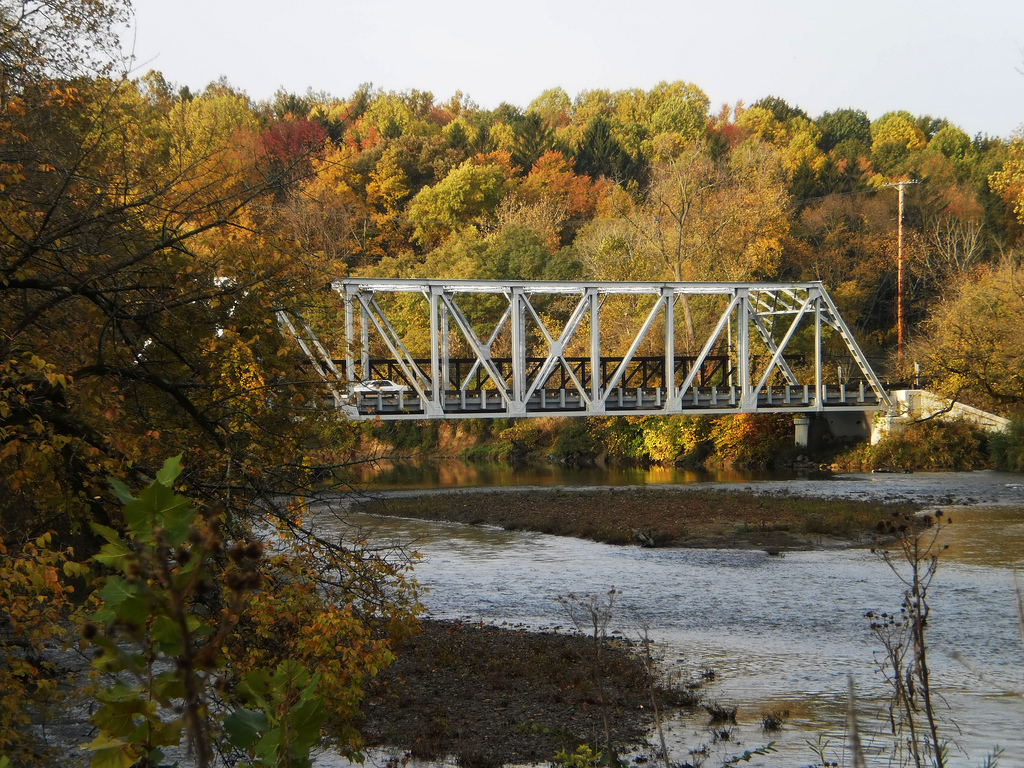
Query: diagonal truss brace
314 352
556 349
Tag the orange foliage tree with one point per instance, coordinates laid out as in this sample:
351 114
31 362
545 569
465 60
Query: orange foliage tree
143 255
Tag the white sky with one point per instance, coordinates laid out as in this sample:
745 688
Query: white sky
958 59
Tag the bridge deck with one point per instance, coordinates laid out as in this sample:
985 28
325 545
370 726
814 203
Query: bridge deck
639 401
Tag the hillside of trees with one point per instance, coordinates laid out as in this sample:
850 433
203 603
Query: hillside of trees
148 232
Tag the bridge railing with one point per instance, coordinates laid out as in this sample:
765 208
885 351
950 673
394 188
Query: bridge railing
638 401
640 371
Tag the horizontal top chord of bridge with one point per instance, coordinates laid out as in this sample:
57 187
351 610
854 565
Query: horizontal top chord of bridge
582 355
388 285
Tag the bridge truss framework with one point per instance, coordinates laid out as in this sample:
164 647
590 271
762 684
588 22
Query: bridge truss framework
744 364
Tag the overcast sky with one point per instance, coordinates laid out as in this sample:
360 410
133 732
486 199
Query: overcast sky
958 59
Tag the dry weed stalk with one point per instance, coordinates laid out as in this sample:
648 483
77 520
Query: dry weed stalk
591 615
914 559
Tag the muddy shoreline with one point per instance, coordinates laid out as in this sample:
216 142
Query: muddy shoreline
489 696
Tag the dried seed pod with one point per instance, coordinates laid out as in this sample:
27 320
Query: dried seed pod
254 550
207 657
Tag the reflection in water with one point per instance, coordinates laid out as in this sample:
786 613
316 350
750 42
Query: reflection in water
389 474
780 632
992 536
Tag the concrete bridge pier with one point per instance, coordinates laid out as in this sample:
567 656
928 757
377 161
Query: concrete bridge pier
802 430
809 429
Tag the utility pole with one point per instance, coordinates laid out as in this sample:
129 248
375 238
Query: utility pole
900 185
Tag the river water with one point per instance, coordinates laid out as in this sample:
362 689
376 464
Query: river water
780 633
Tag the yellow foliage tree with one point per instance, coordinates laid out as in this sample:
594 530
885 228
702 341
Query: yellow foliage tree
1008 182
973 339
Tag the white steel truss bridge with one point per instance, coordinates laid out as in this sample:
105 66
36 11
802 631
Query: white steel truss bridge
452 349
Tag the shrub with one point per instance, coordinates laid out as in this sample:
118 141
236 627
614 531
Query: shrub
406 436
928 445
752 438
1007 447
577 442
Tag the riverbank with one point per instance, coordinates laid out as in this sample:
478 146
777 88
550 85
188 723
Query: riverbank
492 696
781 633
717 519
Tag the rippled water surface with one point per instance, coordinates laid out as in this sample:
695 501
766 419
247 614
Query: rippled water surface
779 632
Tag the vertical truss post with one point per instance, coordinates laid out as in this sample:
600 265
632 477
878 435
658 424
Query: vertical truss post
818 405
482 352
728 346
620 371
596 400
556 351
435 362
364 339
669 380
724 320
777 360
743 349
769 340
350 363
518 404
450 300
851 344
446 380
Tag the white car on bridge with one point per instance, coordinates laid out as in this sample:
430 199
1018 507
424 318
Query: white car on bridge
378 387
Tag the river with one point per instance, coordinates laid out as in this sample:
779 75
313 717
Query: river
780 633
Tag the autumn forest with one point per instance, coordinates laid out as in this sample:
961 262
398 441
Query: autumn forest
153 419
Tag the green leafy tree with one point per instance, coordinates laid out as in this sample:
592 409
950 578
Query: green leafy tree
284 724
762 124
161 636
466 197
951 142
152 635
844 125
533 137
894 136
389 115
780 108
686 117
600 155
554 105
